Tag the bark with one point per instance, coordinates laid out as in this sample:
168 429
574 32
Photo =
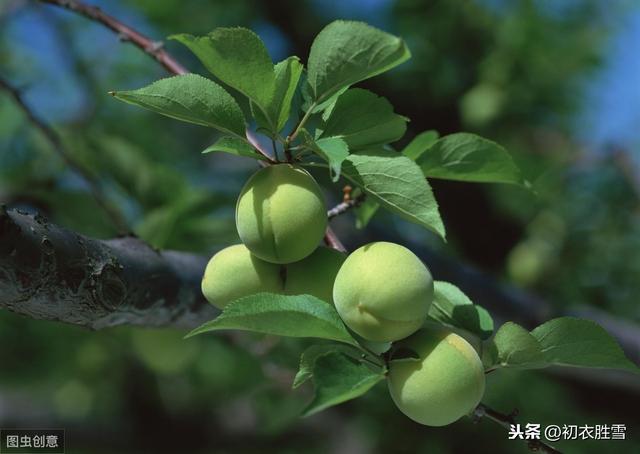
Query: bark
48 272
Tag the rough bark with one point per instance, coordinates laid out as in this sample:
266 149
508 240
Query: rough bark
48 272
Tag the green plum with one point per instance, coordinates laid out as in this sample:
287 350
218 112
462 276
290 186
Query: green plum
446 382
281 215
234 272
383 292
315 274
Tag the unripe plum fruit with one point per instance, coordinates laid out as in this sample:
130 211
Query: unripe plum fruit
383 292
315 275
234 272
444 384
281 215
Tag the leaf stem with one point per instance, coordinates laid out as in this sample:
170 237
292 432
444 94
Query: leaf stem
299 126
372 356
366 358
315 164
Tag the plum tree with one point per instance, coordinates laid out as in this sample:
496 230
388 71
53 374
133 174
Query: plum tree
383 292
315 274
234 272
445 383
281 214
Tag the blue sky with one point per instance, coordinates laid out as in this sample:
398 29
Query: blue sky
611 113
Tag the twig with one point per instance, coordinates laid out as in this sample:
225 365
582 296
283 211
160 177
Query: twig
255 144
146 44
332 240
506 421
126 33
345 206
56 143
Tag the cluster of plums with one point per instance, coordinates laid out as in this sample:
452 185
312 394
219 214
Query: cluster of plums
382 291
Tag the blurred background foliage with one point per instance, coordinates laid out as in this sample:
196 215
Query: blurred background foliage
555 82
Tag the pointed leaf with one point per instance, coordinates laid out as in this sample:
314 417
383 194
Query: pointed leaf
332 149
420 144
190 98
309 103
282 315
516 348
309 356
572 341
363 119
235 146
451 306
346 52
287 74
365 212
239 58
468 157
339 378
397 183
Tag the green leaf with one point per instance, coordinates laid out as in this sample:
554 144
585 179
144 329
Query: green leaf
373 346
451 306
334 150
309 356
190 98
339 378
420 144
397 183
281 315
363 119
365 212
308 102
571 341
287 74
516 348
346 52
468 157
239 58
235 146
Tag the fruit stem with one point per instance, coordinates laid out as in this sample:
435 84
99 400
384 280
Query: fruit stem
364 357
372 357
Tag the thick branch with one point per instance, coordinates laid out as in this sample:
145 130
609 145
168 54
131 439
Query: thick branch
126 33
47 272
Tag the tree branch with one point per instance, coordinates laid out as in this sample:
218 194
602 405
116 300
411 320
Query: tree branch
152 48
48 272
56 143
506 421
345 206
332 240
